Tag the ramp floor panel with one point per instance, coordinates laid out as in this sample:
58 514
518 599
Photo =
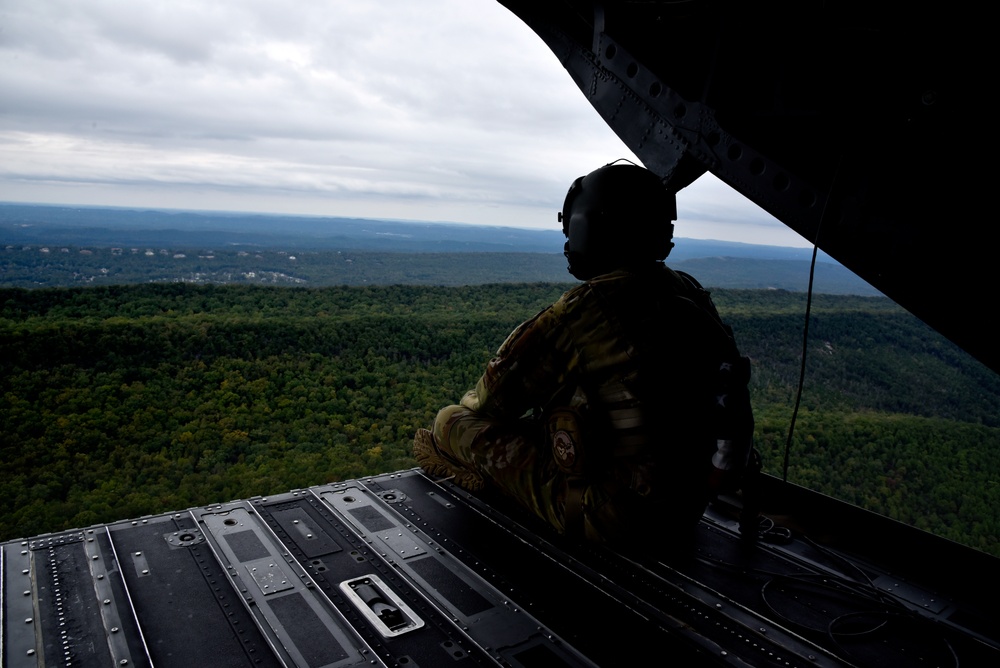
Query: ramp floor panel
400 570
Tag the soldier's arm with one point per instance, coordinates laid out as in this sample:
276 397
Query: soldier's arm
527 369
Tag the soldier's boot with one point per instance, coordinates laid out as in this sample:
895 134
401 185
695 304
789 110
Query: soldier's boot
437 463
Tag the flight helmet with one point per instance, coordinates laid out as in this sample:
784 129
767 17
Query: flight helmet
618 216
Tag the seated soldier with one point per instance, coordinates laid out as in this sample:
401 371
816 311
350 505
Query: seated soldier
621 406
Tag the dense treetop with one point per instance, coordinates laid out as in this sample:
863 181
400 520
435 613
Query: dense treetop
119 401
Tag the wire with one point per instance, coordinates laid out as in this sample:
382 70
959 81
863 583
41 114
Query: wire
802 365
805 328
890 638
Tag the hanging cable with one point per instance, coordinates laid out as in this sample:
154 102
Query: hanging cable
802 365
805 328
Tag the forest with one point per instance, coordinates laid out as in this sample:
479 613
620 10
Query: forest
126 400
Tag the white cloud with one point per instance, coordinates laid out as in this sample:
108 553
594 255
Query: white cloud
437 110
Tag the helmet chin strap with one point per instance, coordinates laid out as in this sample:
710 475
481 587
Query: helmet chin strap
577 265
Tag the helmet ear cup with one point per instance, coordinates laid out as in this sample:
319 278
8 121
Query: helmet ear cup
581 235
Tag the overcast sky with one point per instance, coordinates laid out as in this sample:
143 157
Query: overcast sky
442 110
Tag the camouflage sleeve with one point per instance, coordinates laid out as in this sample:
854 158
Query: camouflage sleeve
528 369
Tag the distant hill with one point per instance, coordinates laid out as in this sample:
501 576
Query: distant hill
81 226
792 275
48 246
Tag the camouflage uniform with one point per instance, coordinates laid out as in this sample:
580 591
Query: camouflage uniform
592 414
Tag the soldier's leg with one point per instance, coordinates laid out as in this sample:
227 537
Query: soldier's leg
514 456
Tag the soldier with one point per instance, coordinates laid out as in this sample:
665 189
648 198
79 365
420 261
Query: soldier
623 404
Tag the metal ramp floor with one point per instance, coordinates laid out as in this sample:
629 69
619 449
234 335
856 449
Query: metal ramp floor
397 570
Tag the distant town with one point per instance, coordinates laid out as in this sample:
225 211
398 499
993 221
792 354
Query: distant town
48 246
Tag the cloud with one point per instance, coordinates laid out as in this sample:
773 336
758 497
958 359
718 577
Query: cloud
437 110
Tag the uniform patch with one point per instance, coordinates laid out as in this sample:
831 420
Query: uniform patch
563 449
